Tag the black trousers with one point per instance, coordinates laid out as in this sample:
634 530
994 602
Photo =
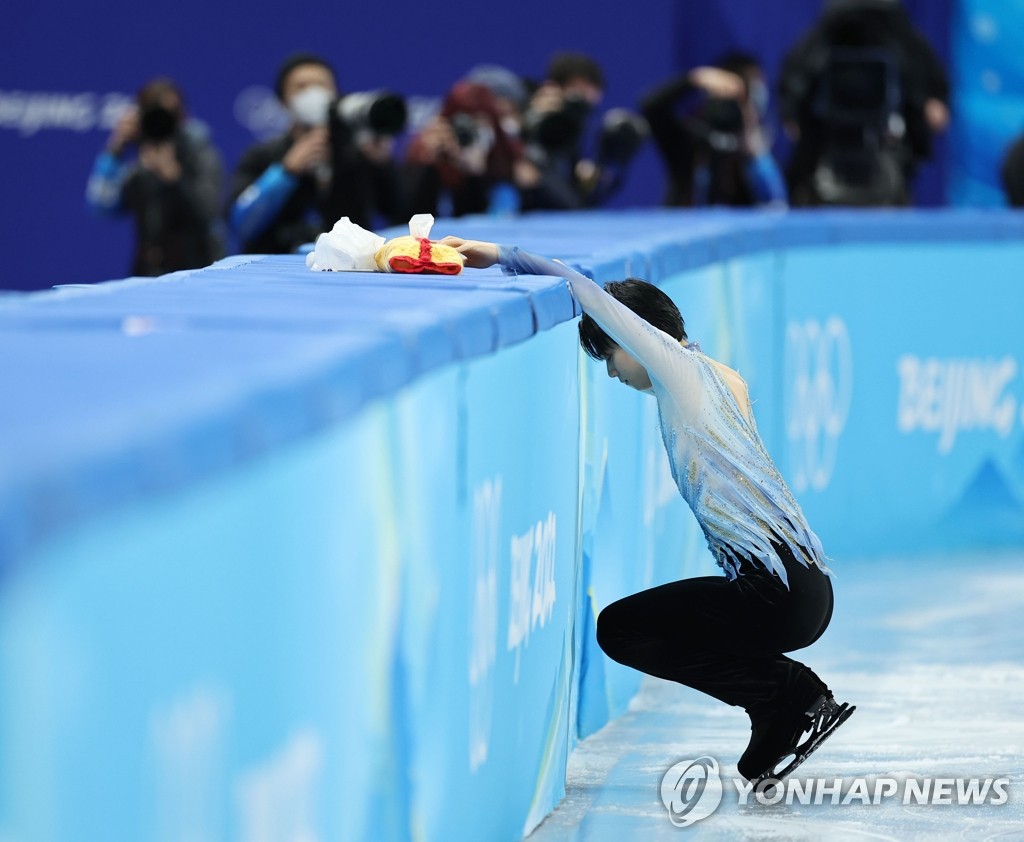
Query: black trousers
726 638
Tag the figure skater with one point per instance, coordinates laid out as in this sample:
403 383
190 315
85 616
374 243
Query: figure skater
724 636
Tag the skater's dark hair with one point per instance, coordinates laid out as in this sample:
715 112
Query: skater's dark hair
644 299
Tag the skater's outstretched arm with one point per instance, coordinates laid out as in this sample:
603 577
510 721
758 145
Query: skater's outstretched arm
659 353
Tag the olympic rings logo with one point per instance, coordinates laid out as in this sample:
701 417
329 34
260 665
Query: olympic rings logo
819 388
691 790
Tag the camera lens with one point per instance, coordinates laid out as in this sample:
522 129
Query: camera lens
465 129
622 135
157 123
561 128
724 116
377 112
386 114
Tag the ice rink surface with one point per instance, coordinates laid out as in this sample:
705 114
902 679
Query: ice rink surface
931 650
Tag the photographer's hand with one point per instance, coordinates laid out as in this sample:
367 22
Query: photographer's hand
478 254
717 83
936 114
126 131
378 150
525 174
161 159
437 141
588 174
548 98
309 151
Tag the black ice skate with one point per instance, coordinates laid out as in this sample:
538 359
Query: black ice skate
823 716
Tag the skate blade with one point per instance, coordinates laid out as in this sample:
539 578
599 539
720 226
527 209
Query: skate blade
767 782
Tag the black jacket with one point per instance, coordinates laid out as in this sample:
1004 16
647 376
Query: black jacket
881 27
363 191
683 146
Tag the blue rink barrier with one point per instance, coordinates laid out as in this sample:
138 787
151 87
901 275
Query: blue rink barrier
298 555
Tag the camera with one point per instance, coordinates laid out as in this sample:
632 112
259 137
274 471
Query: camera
858 87
157 124
724 116
372 112
863 152
720 122
622 135
557 129
466 130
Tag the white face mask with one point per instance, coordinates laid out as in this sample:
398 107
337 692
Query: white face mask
309 106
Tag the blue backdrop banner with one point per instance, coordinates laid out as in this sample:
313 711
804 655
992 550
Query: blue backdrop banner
66 74
989 83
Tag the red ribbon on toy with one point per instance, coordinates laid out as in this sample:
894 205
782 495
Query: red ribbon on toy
423 263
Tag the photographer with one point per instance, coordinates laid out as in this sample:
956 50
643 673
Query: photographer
336 160
1011 173
719 153
463 161
172 188
553 128
862 94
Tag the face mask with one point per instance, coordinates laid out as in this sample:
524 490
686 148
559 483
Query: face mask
510 125
309 106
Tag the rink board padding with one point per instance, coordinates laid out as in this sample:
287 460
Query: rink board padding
322 554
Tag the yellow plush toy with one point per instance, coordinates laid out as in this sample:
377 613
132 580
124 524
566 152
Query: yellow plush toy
418 255
349 248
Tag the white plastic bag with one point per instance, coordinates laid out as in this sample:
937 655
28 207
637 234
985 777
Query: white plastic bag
347 247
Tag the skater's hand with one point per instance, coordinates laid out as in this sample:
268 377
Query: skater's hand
478 254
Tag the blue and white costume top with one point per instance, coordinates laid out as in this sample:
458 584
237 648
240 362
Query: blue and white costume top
717 458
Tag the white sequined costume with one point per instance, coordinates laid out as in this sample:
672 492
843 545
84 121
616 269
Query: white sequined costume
717 458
